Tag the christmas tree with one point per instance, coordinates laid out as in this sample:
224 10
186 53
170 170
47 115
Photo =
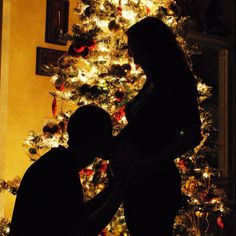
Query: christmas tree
97 69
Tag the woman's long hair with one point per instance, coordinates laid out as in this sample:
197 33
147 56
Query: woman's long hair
154 46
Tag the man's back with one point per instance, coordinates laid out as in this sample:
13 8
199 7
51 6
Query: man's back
50 197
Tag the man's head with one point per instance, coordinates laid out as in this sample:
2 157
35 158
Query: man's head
90 128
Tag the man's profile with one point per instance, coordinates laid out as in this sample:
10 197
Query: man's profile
50 198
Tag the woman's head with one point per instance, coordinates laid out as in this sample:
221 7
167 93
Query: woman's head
152 41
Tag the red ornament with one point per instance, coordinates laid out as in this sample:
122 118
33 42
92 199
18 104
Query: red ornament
119 8
182 163
87 172
54 106
120 113
147 10
60 86
220 221
103 167
91 45
79 49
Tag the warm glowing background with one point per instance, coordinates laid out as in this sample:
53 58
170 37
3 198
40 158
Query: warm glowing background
25 102
25 99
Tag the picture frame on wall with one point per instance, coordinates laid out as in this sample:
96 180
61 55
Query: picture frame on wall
57 15
46 56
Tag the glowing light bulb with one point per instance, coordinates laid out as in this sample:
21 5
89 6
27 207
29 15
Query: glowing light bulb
102 82
54 78
221 209
115 2
195 201
206 175
124 120
7 230
150 4
83 79
170 20
67 95
94 70
60 117
102 23
129 15
103 48
74 79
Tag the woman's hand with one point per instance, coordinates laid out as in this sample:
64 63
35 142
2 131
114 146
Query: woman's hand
120 179
123 153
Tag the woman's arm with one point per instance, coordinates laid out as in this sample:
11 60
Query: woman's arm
92 224
93 204
99 219
101 209
188 139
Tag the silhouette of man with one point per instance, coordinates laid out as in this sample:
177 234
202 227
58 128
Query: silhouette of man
50 198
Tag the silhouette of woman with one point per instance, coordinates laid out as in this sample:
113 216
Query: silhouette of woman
163 123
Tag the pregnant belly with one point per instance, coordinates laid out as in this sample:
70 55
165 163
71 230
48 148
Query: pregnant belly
124 152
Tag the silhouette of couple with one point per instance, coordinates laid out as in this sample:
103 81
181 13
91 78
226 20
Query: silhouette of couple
163 123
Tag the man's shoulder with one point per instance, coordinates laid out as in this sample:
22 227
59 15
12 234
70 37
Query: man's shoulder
53 155
48 162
